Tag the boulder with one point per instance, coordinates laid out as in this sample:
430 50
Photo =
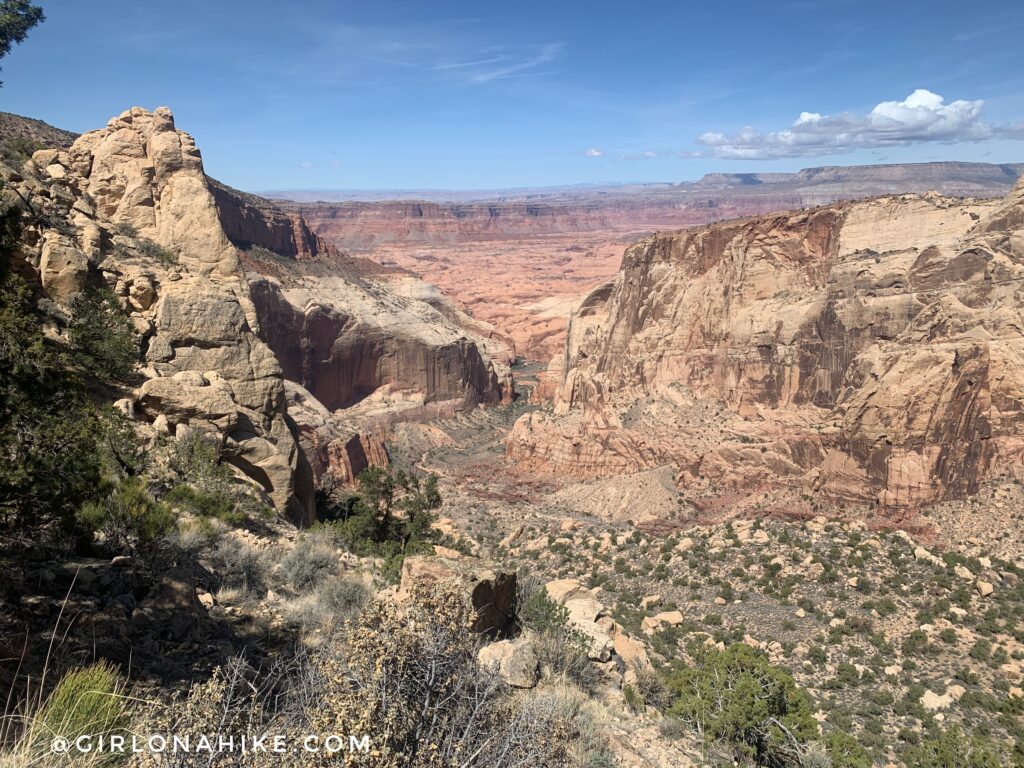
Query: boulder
514 660
491 591
584 615
652 624
62 268
631 651
172 610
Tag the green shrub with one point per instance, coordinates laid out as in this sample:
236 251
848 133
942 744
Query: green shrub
15 150
560 648
981 650
844 750
48 427
737 697
88 701
242 567
129 519
535 610
205 503
390 517
950 748
633 700
207 488
157 252
101 336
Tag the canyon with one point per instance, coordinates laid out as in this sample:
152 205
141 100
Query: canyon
522 259
862 352
768 431
866 353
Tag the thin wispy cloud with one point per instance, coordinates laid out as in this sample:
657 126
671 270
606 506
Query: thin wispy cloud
923 117
512 65
594 152
454 51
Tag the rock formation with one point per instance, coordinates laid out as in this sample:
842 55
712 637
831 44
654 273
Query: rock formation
132 209
425 217
232 297
490 591
522 259
363 348
868 351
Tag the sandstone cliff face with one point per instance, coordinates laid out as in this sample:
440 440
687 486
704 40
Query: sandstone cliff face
221 337
343 339
361 346
250 221
145 224
870 351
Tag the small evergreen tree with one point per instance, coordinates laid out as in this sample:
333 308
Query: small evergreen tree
101 336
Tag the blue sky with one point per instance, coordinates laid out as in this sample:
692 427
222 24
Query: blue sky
471 95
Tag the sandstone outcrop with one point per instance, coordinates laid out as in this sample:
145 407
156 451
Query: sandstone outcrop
249 220
233 297
868 351
515 661
363 349
140 218
356 337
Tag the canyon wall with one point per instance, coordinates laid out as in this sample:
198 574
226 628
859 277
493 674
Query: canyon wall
868 351
522 259
343 343
250 221
239 306
362 225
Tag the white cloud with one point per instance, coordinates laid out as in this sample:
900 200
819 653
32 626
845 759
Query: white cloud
922 117
306 165
507 65
594 152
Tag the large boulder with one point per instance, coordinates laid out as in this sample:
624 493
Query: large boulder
514 660
62 268
585 615
491 591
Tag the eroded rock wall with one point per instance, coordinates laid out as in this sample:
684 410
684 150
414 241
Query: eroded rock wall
872 351
341 355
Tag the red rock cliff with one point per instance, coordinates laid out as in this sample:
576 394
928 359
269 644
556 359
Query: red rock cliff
868 351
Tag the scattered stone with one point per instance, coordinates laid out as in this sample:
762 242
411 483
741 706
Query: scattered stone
963 573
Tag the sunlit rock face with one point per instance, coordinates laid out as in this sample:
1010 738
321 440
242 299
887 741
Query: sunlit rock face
870 351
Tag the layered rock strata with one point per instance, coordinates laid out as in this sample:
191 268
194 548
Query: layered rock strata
868 351
232 298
